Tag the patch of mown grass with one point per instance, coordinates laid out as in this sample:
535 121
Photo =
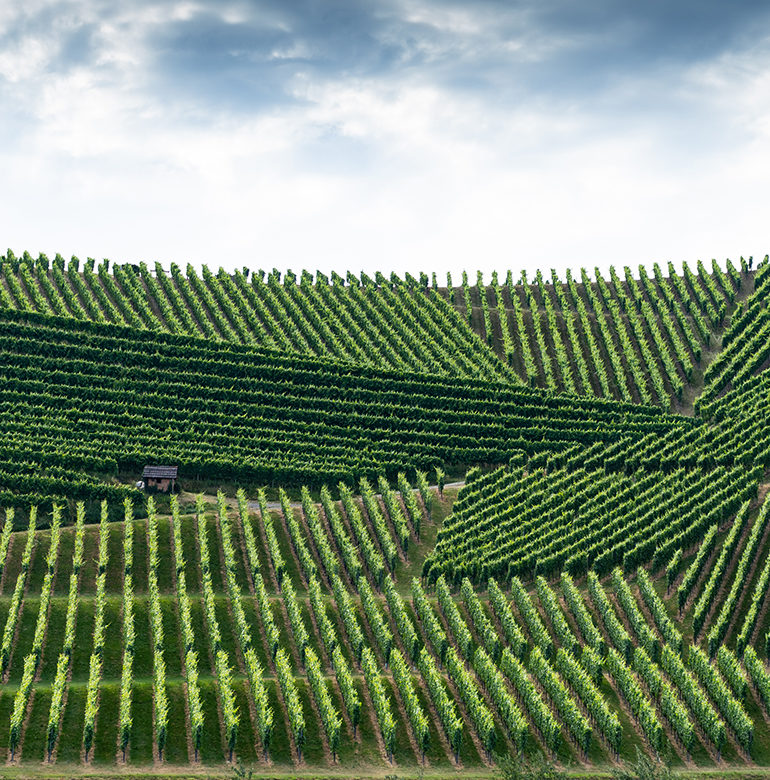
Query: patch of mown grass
403 754
12 561
142 734
6 707
229 637
64 569
215 563
282 624
347 749
166 569
23 644
38 567
106 735
564 751
264 558
90 566
175 751
596 753
139 570
114 578
4 607
172 638
435 753
71 729
198 620
211 740
699 754
417 554
113 646
54 638
334 616
236 532
358 611
313 752
189 534
280 744
760 749
84 632
34 745
630 741
315 642
143 644
292 567
250 610
246 746
763 627
369 753
729 754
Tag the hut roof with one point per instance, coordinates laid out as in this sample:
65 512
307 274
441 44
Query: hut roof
160 472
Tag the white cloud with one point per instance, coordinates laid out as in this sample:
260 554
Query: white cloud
373 173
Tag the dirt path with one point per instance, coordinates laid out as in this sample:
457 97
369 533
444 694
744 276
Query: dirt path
323 575
391 526
344 574
749 583
699 583
727 580
482 688
452 690
599 623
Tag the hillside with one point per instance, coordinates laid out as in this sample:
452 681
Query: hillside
316 601
644 339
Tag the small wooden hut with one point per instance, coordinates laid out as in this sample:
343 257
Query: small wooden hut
160 478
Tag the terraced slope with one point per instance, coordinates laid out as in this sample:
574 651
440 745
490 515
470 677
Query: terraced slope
82 396
295 636
648 339
360 321
598 584
530 523
746 347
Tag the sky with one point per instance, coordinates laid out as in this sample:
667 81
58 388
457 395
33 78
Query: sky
392 135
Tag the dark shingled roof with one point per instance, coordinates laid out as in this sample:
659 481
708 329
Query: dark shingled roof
160 472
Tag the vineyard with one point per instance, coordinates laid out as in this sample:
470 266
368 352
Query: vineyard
422 523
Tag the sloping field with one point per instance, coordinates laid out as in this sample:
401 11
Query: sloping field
317 601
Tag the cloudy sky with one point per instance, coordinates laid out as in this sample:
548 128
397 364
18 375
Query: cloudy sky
386 134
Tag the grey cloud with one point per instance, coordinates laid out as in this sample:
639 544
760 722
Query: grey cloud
513 50
510 52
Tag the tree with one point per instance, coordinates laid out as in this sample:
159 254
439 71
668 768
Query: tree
645 768
519 767
240 772
440 477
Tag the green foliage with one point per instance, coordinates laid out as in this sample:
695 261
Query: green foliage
520 767
644 768
363 384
